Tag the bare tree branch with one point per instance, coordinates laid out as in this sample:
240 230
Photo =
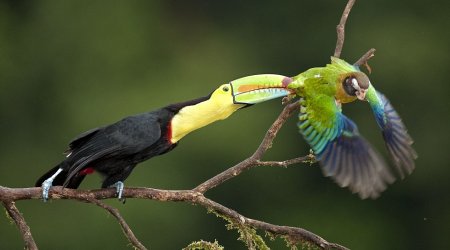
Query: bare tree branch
24 229
189 196
365 58
295 234
125 228
303 159
340 28
252 160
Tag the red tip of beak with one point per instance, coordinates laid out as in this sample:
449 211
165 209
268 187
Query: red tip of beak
286 81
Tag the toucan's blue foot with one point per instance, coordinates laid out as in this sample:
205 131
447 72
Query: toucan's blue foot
119 190
45 188
47 184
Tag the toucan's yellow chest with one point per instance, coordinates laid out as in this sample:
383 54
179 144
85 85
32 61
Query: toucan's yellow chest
193 117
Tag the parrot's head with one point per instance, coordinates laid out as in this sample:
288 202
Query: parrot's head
351 83
356 84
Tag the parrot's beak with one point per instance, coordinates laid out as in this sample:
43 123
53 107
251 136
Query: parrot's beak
361 94
259 88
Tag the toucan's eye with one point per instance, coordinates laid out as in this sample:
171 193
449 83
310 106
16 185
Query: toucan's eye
225 88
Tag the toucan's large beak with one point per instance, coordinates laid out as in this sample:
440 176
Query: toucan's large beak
259 88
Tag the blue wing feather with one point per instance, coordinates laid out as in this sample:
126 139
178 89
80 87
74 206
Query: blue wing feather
395 135
344 155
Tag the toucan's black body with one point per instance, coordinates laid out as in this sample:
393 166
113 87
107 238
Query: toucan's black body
114 150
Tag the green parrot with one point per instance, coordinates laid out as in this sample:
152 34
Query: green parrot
344 155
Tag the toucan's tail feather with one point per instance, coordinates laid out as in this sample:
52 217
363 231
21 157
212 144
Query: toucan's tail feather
74 182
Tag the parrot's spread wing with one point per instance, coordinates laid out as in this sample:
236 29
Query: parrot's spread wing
343 154
395 135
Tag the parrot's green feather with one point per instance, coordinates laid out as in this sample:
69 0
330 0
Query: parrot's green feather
319 103
340 66
318 110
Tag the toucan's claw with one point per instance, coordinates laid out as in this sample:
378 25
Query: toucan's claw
46 185
119 190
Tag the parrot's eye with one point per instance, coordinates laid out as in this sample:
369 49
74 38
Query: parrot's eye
349 84
225 88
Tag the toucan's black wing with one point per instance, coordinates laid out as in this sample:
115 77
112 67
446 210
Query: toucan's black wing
122 139
81 139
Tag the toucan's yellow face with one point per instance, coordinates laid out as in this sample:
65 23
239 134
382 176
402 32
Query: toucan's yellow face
223 99
226 99
219 106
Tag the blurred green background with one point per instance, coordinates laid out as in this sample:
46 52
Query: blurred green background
68 66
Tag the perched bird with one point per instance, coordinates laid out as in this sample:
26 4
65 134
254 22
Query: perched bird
342 152
114 150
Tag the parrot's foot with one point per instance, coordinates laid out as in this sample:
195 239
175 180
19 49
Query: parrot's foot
286 100
119 190
47 184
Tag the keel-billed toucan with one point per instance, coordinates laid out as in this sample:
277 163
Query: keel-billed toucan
114 150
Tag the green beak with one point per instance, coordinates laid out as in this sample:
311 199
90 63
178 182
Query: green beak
259 88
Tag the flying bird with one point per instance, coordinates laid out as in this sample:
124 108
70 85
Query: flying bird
342 152
114 150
